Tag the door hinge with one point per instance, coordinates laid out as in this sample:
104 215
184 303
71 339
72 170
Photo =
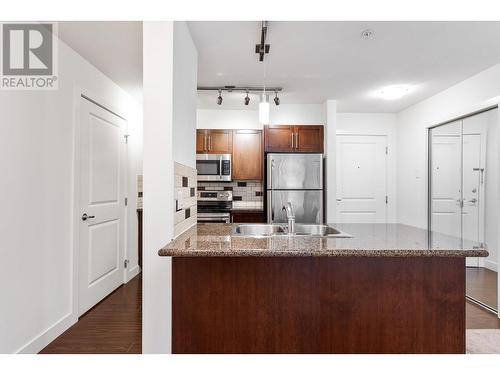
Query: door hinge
386 150
126 201
386 199
126 137
125 263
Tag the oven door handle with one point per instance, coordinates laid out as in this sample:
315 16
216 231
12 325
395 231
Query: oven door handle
220 168
215 219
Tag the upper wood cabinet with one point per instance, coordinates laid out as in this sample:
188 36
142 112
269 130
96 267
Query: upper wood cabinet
309 138
293 138
214 141
201 141
247 155
278 138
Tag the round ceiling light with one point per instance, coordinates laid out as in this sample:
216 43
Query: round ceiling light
393 92
368 34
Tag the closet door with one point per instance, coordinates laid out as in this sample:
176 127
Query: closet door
446 179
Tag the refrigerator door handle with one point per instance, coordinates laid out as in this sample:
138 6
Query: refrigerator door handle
270 211
270 167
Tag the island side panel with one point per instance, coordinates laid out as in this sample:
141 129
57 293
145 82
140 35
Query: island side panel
318 305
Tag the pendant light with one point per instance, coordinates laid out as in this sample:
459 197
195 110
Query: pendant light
264 109
264 103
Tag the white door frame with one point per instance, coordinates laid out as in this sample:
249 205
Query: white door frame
390 169
78 94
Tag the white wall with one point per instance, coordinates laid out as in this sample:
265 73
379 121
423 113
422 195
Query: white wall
376 124
290 114
297 114
185 98
167 46
37 166
227 119
477 92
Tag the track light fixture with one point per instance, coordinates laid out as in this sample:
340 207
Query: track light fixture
276 99
244 89
219 98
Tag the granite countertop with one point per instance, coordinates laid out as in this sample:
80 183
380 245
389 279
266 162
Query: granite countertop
369 240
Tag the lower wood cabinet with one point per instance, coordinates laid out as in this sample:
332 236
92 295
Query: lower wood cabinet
248 217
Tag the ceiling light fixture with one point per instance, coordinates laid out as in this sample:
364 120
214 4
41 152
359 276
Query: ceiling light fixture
368 34
393 92
262 48
247 99
219 98
264 110
276 99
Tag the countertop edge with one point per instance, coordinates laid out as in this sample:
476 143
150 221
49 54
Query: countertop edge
366 253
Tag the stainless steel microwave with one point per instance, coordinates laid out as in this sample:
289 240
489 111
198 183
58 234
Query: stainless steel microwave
214 167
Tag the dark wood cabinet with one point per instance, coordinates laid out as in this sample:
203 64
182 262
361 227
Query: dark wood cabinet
247 155
214 141
294 138
201 141
278 138
343 305
248 217
309 138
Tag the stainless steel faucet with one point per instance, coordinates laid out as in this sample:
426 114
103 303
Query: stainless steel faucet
290 217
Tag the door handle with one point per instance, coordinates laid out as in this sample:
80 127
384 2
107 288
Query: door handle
85 217
339 200
296 140
292 139
473 200
209 143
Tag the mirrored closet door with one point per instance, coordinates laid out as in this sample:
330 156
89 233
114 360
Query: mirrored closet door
463 194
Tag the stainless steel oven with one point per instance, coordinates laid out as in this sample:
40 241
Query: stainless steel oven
214 167
214 206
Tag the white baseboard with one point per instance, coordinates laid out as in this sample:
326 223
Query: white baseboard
490 265
133 272
49 335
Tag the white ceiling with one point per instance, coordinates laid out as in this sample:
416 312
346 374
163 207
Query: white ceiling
315 61
113 47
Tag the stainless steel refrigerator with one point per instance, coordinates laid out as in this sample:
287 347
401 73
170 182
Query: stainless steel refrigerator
298 179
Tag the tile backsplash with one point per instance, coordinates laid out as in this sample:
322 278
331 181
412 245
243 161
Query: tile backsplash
185 210
245 194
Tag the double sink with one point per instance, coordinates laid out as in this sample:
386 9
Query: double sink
267 230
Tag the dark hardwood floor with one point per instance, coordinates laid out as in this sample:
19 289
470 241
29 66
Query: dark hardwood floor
113 326
477 318
481 284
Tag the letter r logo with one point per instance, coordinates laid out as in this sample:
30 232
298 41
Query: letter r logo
27 49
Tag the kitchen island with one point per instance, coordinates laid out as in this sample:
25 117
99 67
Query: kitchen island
390 288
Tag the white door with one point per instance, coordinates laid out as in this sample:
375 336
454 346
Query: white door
102 194
446 207
361 179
